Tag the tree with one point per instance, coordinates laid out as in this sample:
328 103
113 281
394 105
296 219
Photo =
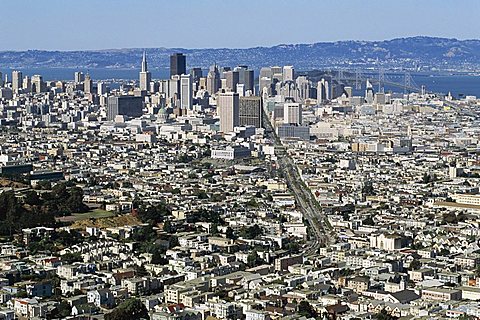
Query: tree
173 241
10 212
384 315
167 227
253 260
32 198
368 189
200 194
230 234
70 258
153 214
140 271
44 185
59 191
415 264
251 232
368 221
68 238
145 235
159 258
61 311
74 201
427 178
129 310
305 309
214 229
292 247
477 271
252 203
203 215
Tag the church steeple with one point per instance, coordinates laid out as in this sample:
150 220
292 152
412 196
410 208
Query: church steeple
144 62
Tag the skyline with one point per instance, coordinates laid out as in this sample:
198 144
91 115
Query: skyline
144 24
239 160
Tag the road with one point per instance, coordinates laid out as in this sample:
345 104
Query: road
319 226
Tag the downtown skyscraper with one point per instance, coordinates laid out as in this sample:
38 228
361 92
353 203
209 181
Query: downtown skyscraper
228 110
17 79
145 76
178 64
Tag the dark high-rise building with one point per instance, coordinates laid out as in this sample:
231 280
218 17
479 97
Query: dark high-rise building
213 80
233 78
38 85
250 111
129 106
79 77
249 81
245 76
178 64
196 74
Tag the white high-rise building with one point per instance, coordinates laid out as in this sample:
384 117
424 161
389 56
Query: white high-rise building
277 73
174 90
320 92
38 85
17 79
303 89
79 77
88 84
186 99
323 91
292 113
101 88
164 86
288 73
27 84
369 93
228 106
265 83
241 89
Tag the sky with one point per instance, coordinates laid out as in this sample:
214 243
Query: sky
108 24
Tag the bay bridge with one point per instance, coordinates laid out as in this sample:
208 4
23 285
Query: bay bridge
379 79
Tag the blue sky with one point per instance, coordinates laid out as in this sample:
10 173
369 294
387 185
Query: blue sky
100 24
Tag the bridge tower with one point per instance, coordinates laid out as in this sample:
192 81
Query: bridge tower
407 82
340 76
381 79
358 79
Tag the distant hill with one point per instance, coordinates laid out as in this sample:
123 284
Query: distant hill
402 52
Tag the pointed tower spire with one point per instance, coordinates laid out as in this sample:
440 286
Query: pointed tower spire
145 76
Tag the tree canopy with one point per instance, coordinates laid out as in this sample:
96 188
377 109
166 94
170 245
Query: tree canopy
251 232
33 210
128 310
305 309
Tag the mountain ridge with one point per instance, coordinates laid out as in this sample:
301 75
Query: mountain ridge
433 52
